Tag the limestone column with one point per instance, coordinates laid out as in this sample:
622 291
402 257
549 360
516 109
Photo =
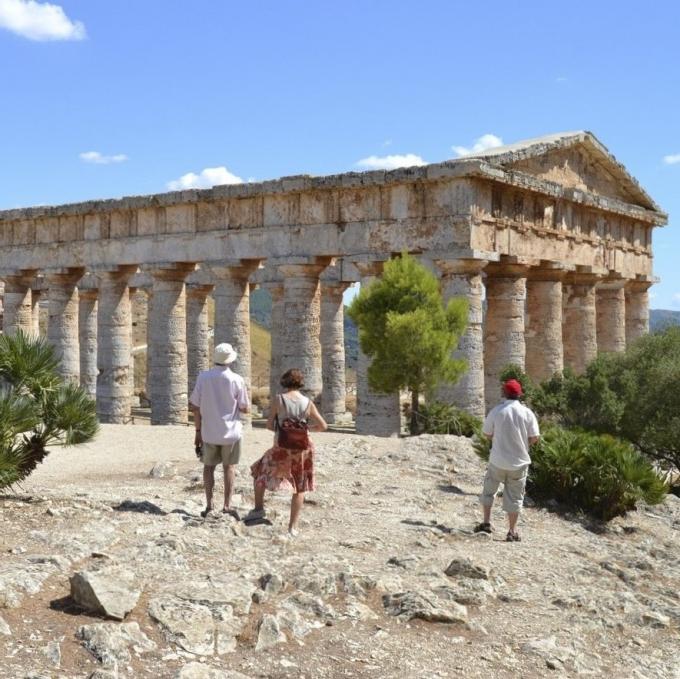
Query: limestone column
147 353
579 330
544 348
637 310
334 391
62 326
377 414
113 345
131 373
87 333
35 311
610 307
504 341
275 289
301 345
18 313
198 332
463 278
232 311
168 349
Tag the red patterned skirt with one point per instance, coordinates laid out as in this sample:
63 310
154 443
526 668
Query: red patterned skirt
280 468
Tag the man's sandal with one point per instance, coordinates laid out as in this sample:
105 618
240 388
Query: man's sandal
513 537
483 527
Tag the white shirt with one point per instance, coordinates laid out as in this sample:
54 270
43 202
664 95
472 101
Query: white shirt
511 424
219 394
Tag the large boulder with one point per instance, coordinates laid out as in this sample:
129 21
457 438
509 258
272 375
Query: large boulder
110 591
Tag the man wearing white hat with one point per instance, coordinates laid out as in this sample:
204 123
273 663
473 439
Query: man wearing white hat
216 401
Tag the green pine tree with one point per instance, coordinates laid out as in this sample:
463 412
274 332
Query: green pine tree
408 331
37 408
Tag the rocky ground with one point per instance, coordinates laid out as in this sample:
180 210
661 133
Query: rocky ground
385 580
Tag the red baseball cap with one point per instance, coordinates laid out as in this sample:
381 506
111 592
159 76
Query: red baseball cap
512 388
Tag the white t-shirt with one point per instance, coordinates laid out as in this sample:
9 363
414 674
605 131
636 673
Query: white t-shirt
219 394
511 424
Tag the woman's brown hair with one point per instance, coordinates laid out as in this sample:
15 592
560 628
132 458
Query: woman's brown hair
292 379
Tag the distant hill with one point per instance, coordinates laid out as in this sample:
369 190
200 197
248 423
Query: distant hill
261 313
661 318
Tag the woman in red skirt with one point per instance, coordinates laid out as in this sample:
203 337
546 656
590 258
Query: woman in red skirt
283 467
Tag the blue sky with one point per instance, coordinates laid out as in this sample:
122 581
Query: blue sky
109 98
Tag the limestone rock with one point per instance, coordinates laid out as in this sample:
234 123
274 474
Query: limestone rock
4 628
163 470
423 604
53 653
465 568
217 590
109 591
185 623
269 633
110 642
197 670
655 619
17 580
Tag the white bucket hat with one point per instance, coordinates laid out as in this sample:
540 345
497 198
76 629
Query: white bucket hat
224 354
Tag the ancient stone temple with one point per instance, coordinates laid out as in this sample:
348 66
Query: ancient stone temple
552 236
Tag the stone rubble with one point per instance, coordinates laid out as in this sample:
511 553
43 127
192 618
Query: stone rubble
359 584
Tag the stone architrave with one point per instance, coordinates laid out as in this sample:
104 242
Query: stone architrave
637 310
334 392
463 278
198 332
544 347
275 289
610 307
377 414
36 294
232 311
62 327
301 344
114 340
167 348
87 333
579 330
18 311
504 341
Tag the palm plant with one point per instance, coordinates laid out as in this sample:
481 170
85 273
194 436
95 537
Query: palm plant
37 408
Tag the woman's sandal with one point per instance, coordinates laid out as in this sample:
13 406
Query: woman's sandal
513 536
483 528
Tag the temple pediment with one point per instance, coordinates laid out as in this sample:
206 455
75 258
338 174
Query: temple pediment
574 160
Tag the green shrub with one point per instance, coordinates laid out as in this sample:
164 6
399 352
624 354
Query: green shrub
443 418
594 473
633 395
37 408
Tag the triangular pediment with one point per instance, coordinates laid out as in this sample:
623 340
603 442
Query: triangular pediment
575 160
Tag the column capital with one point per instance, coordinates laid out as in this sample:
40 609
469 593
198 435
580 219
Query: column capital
233 268
64 275
639 284
550 271
611 282
21 277
454 267
115 273
506 270
369 266
581 278
88 293
199 290
172 271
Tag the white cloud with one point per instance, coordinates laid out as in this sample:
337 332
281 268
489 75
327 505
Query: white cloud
99 159
390 162
673 159
39 21
205 179
483 143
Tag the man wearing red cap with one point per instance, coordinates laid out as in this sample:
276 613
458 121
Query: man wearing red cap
512 428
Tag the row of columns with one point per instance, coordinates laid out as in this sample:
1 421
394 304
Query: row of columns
540 318
91 330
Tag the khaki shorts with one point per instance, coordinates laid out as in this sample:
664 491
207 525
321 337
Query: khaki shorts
514 483
227 453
